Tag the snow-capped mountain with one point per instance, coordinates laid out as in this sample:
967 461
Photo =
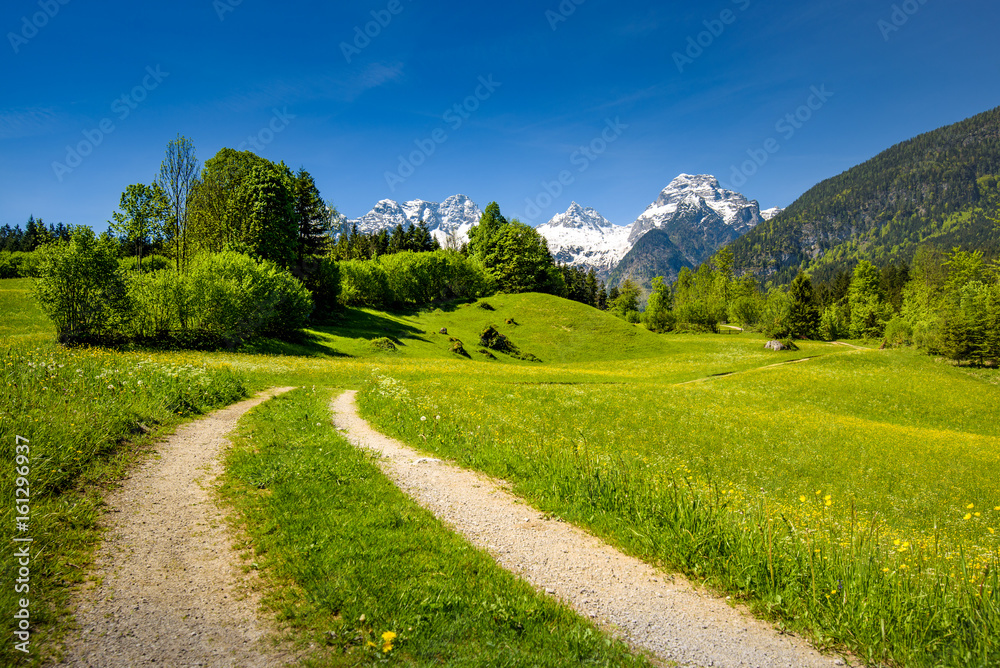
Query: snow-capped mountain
454 216
699 215
584 238
694 216
768 214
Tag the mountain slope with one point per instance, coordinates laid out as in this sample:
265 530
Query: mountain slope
653 255
934 188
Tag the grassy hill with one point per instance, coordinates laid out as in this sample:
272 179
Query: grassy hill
938 188
551 328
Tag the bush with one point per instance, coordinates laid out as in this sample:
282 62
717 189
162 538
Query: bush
81 288
364 283
412 279
18 265
237 296
383 345
697 316
898 332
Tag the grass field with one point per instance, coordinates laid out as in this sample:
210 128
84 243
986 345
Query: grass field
854 496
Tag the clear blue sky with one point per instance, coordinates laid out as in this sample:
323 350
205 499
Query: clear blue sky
65 66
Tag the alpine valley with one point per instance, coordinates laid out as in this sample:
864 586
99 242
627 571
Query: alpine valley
689 221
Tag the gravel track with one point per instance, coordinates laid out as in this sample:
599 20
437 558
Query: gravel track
166 588
652 610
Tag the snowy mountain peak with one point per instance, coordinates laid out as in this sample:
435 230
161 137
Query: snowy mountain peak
582 237
768 214
454 216
577 217
699 215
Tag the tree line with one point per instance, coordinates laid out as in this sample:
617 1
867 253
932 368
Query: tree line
947 303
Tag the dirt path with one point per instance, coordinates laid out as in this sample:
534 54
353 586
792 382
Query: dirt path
658 612
166 589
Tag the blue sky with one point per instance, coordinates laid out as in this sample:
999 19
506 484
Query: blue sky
534 83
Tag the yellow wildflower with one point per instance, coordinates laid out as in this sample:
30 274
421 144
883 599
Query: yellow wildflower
968 516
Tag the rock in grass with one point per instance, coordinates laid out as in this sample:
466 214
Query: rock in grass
443 330
458 348
494 340
781 345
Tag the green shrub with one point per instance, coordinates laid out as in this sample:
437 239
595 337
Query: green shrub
833 323
225 297
898 332
412 279
237 296
364 283
17 264
81 288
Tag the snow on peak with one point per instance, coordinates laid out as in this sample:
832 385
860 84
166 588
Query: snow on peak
768 214
578 217
454 216
582 237
698 202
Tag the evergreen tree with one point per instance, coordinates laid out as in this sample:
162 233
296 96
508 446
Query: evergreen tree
314 218
591 288
627 301
803 316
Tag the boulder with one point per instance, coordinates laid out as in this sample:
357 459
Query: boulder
774 345
443 330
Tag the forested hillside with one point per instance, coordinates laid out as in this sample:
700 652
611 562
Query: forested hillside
939 188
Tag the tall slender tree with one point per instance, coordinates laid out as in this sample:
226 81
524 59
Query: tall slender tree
178 176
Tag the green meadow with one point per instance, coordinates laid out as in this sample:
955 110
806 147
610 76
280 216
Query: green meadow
846 493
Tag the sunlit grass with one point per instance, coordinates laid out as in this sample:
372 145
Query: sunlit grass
376 577
886 462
